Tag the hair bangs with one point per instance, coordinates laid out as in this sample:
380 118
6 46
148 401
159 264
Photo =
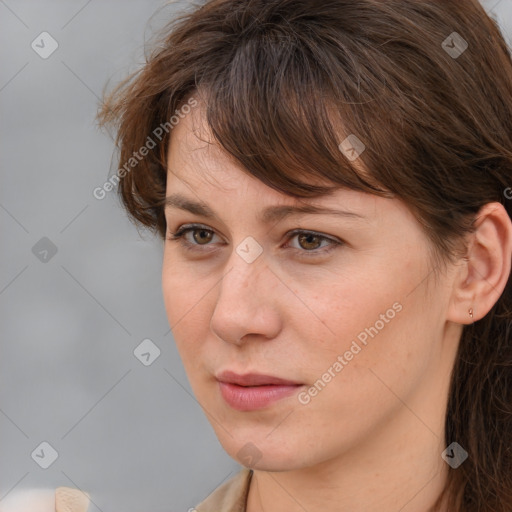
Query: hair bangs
270 108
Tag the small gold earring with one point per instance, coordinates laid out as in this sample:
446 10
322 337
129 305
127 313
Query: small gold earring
471 312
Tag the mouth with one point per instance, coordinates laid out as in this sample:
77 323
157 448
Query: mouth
254 391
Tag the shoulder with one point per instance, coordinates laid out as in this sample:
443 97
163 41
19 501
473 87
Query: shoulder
62 499
230 496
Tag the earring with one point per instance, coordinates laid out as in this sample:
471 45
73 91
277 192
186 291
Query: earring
470 311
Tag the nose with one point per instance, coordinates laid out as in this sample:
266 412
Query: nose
248 302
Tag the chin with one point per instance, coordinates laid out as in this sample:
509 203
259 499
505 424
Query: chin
259 452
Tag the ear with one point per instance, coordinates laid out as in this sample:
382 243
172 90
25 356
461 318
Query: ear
482 279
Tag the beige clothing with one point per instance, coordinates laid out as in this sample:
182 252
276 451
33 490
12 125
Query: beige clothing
68 499
62 499
230 496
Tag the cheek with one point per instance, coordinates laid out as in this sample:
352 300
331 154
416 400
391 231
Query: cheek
371 321
346 312
384 337
189 304
353 385
184 298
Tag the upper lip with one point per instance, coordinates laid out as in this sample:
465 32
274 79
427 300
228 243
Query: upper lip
253 379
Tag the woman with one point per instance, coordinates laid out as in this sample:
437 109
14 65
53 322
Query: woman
331 181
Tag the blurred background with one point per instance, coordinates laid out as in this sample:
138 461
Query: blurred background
92 391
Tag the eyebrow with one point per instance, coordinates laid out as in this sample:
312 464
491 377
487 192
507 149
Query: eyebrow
269 215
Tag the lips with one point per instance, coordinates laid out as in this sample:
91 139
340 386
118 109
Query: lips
253 379
254 391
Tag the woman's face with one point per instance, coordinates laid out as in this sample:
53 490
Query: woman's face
346 321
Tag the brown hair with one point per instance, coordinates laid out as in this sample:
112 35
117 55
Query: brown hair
286 81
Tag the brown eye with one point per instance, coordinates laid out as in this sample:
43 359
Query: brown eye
310 244
199 236
203 236
309 241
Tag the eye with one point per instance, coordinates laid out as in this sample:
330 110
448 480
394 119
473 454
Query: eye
309 241
204 236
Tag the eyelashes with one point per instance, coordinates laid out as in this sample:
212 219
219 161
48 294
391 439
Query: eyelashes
180 236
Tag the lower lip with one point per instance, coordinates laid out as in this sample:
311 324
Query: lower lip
250 398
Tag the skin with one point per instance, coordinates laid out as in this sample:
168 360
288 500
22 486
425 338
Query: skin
372 438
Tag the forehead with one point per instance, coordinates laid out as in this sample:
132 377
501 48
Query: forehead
201 174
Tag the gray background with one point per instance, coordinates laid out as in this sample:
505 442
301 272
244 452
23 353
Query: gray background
129 434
